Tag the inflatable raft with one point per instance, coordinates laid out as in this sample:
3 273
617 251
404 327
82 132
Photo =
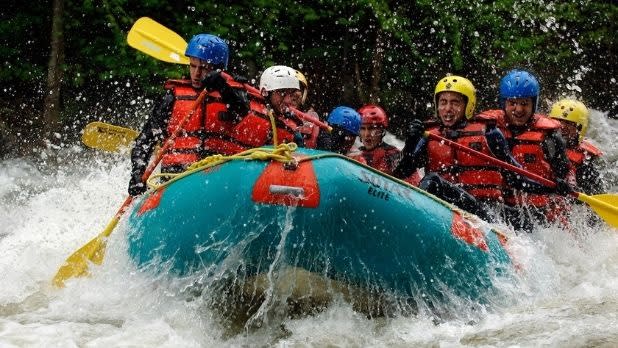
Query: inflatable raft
317 213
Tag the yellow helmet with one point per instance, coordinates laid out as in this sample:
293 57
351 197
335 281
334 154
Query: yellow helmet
304 86
573 111
460 85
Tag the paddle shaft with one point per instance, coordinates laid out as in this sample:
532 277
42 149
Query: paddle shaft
492 160
602 204
302 115
155 38
153 164
170 140
311 119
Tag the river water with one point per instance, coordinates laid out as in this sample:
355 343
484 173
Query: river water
566 294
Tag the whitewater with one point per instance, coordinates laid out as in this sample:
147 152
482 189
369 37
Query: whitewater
565 294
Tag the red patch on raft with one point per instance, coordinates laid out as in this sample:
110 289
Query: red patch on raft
151 202
283 185
463 230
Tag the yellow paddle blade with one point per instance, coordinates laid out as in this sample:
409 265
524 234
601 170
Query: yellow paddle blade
609 198
605 205
158 41
76 265
107 137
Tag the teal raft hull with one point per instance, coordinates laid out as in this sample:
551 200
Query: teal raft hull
330 216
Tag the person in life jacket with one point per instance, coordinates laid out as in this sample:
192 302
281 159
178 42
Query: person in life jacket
308 129
374 152
460 178
346 123
536 143
207 53
583 156
285 88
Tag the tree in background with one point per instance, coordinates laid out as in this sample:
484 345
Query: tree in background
353 52
51 108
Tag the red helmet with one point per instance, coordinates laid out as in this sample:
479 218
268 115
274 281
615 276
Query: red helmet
373 114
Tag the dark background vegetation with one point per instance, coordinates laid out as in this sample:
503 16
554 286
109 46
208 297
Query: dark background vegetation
66 62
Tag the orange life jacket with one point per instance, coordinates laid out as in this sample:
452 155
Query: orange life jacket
188 145
494 115
479 177
585 150
383 157
205 133
527 149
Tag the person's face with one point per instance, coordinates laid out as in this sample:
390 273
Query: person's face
518 110
283 98
371 135
198 69
298 97
451 108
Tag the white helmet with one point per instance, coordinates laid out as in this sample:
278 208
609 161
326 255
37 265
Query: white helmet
304 86
279 77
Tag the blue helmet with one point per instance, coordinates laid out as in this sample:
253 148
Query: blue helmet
209 48
519 84
346 118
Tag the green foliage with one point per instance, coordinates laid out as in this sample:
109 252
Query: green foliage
570 45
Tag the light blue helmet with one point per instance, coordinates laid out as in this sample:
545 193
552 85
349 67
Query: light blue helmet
209 48
519 84
346 118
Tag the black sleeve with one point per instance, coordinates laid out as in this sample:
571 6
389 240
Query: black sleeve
153 132
554 148
523 183
589 179
413 156
237 101
499 146
236 98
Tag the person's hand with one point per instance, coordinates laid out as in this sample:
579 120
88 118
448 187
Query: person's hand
416 129
563 188
136 185
214 81
240 78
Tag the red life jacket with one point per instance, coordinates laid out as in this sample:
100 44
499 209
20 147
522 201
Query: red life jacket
579 155
479 177
383 157
414 179
254 130
205 133
584 151
310 132
527 149
187 146
494 115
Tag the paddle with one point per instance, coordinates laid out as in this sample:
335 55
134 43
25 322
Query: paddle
162 43
76 265
157 41
605 205
107 137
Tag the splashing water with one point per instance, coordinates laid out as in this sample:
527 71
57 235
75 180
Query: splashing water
564 294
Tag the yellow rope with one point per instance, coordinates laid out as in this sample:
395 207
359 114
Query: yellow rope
273 125
281 153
